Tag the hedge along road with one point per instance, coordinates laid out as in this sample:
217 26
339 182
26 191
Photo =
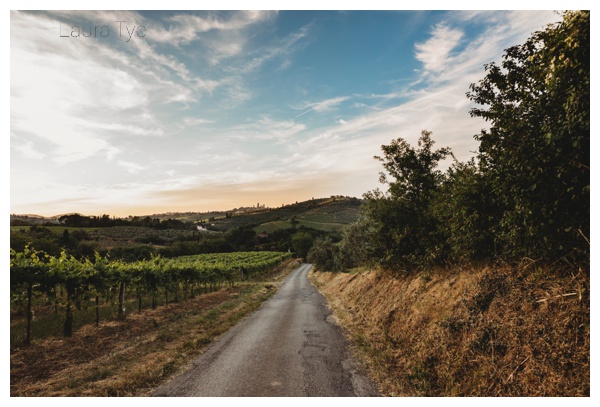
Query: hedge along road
290 346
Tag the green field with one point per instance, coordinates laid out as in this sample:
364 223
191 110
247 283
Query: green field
59 230
271 227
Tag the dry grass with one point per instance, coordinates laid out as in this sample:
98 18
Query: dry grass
476 332
132 357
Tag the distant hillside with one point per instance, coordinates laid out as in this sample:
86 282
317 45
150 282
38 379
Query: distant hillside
323 214
30 220
177 234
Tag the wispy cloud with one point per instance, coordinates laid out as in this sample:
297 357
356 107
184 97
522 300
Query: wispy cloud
222 35
266 129
282 48
184 28
439 104
194 121
51 91
171 120
445 61
83 109
435 52
132 168
121 128
25 147
324 105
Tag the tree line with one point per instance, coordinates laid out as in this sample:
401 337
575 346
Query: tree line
82 221
526 193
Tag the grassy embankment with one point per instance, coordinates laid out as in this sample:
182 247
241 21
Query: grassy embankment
132 357
490 331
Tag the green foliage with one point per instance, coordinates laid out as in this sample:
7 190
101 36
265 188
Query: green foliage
36 236
301 243
461 207
536 155
242 238
205 244
526 193
355 244
403 225
325 255
321 214
352 250
33 272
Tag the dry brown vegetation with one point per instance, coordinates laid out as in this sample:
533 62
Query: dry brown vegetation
489 331
131 357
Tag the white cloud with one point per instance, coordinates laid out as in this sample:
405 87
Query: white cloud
194 121
120 128
81 96
440 104
503 29
51 91
25 147
222 35
186 27
266 129
234 93
132 168
436 51
112 105
282 49
327 104
324 105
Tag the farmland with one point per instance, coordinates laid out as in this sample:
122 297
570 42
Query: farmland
177 234
129 357
64 293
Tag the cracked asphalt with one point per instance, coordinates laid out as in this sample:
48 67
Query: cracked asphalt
289 347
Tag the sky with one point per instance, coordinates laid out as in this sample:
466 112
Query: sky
145 112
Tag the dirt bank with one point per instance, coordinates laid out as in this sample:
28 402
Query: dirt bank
468 332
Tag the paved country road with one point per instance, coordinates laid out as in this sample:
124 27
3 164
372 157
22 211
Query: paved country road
289 347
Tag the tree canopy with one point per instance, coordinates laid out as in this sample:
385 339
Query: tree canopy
536 154
526 194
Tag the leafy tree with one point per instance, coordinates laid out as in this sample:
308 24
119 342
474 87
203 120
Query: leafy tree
324 254
40 237
461 207
536 154
355 246
241 238
404 228
301 243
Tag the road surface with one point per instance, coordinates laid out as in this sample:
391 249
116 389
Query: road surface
289 347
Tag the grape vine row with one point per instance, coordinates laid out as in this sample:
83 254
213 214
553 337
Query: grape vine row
68 282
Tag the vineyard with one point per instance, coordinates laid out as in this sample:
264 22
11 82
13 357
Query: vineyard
47 289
